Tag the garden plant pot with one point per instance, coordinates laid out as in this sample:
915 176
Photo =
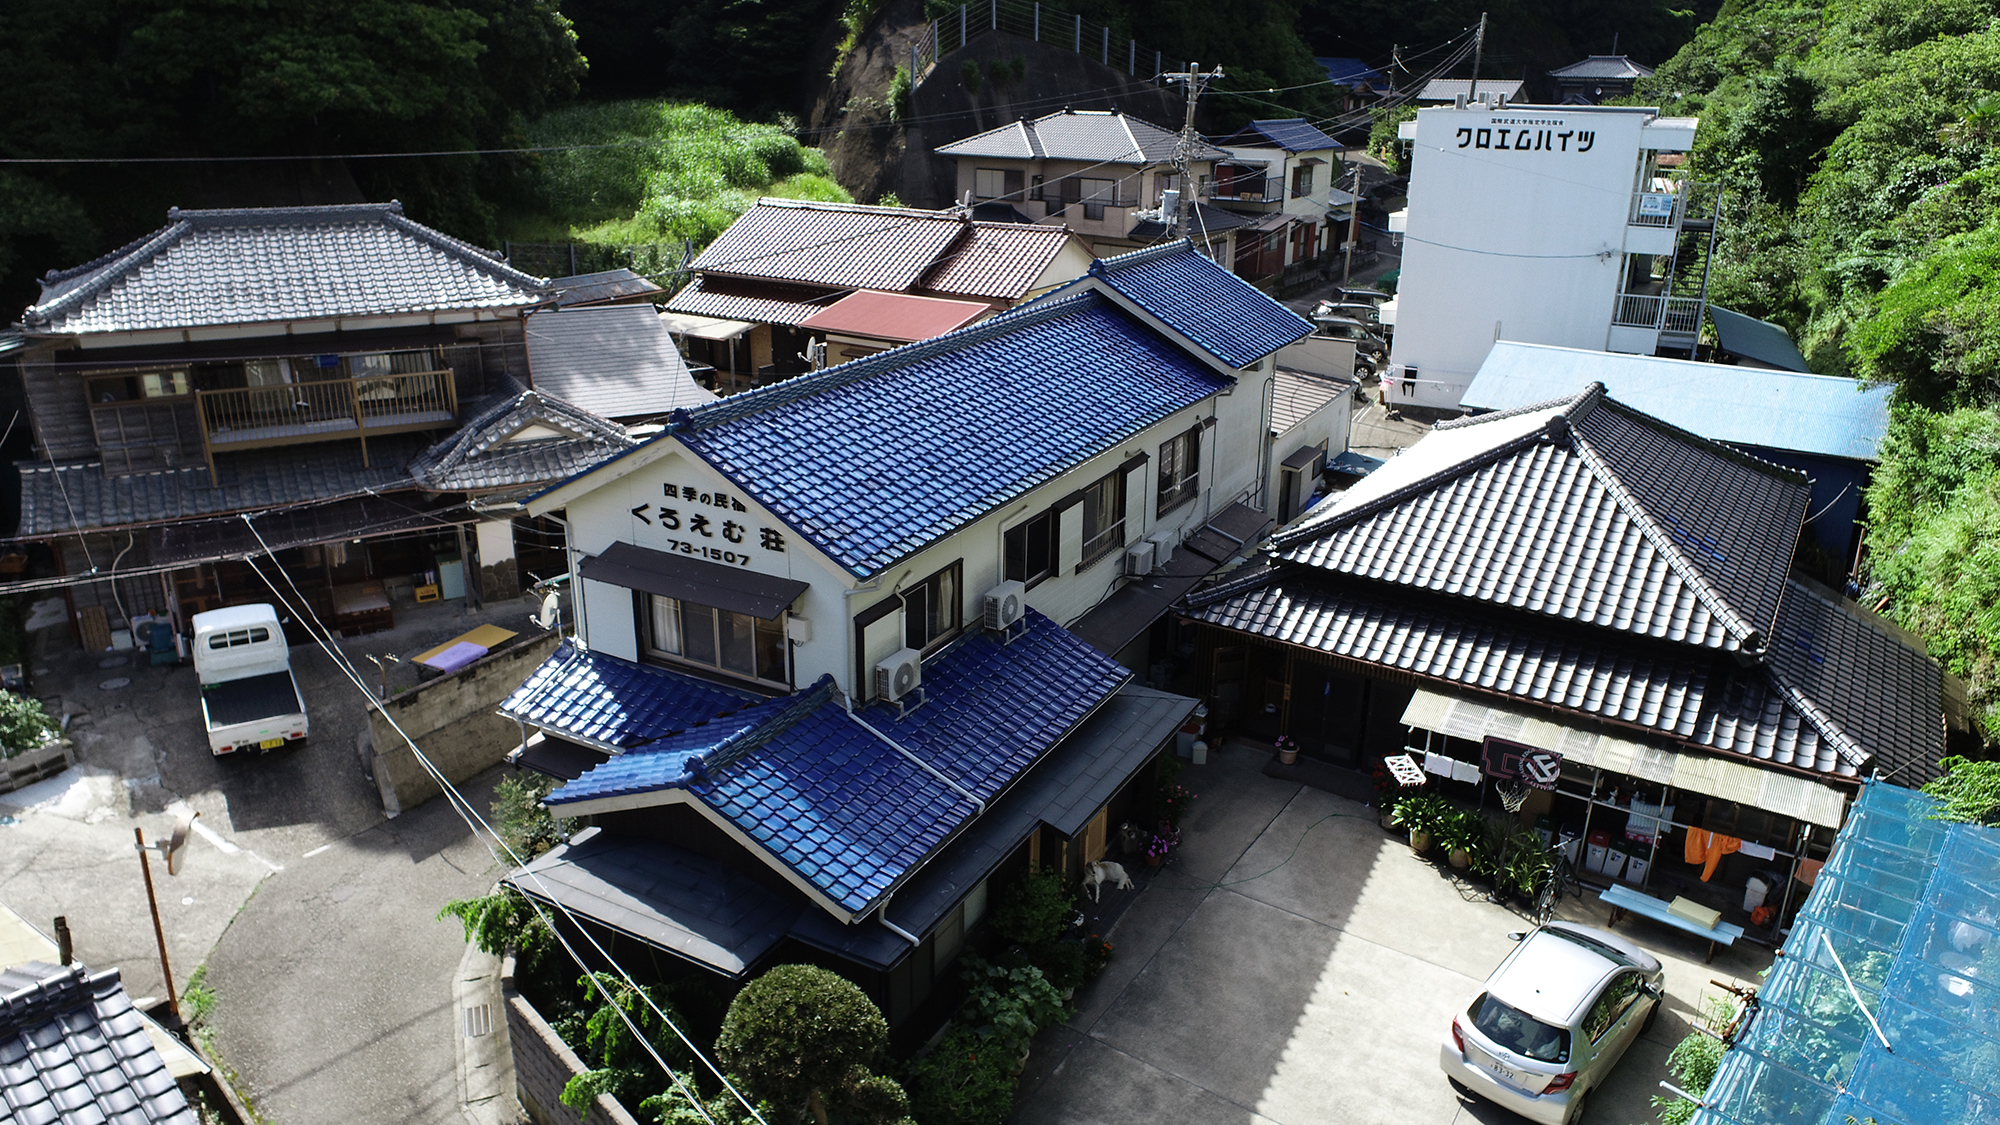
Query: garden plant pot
1152 861
1288 756
1420 841
1386 819
1460 858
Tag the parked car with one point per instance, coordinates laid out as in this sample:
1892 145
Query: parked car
1552 1021
1367 345
1349 293
1367 312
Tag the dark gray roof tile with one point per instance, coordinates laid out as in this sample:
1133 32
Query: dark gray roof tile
62 1060
499 447
275 264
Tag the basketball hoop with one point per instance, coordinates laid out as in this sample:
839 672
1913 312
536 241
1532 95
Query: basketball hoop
1512 797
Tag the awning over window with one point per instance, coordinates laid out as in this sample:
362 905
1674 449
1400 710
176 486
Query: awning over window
704 327
674 576
1742 783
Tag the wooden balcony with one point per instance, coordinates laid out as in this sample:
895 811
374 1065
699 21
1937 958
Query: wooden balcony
324 410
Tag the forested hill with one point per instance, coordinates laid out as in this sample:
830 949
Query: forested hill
1860 142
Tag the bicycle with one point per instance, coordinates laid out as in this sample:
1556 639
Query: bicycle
1561 874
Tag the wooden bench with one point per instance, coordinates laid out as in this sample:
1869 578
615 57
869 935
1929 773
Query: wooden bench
1622 898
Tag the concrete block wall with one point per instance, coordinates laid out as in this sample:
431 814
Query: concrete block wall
453 720
544 1064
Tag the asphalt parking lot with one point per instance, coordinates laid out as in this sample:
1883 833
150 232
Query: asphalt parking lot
1298 965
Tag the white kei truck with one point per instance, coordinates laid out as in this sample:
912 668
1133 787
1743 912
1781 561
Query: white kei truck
249 698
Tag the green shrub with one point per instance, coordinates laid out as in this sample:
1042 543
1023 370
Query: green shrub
964 1080
1693 1064
621 1064
807 1039
520 819
1008 1005
1968 792
1034 909
24 725
899 94
501 921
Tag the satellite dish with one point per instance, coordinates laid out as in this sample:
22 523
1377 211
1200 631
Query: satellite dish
176 845
551 609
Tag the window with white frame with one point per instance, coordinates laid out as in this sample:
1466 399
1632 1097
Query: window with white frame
1180 470
1103 518
727 641
1097 194
1302 182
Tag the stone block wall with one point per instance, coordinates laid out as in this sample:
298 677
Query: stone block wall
544 1064
453 719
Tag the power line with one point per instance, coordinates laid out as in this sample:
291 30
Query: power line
321 634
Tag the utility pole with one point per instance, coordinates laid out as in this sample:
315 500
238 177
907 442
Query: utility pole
1478 52
1353 225
159 932
1184 146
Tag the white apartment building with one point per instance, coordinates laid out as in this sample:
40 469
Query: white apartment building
1559 225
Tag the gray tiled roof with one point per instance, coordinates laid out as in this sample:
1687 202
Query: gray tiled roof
73 1050
1677 692
81 495
1094 135
1585 510
481 458
618 361
1871 689
606 285
276 264
1603 66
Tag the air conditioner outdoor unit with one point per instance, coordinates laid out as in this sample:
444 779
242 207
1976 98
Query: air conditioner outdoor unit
1006 604
1163 547
1139 559
900 675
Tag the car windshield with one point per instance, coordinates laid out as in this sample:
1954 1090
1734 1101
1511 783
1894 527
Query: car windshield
1520 1032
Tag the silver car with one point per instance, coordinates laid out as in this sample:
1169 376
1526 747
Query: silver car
1552 1021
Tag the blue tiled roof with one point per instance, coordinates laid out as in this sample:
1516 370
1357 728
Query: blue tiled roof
990 710
1293 134
837 805
1223 314
598 699
956 426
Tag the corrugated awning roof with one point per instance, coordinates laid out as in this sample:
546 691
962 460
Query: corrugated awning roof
1760 340
704 327
901 317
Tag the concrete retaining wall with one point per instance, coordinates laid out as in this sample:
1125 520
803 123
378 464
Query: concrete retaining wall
452 719
544 1064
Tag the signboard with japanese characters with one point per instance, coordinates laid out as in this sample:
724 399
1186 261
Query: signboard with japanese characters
1528 134
707 523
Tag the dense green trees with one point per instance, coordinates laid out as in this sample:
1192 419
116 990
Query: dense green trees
225 78
1857 141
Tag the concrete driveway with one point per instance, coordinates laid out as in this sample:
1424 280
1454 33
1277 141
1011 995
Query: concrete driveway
315 915
1299 965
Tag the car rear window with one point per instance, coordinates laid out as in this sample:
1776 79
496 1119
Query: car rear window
1520 1032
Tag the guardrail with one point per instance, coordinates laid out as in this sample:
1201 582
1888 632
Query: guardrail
325 409
1665 314
1040 22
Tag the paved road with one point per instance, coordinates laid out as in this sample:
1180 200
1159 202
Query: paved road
314 914
1253 989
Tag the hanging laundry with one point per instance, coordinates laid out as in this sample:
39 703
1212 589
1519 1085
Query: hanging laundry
1439 765
1465 771
1707 849
1759 851
1809 870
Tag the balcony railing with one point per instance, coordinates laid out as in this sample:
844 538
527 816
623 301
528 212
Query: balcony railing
1687 201
325 410
1245 190
1665 314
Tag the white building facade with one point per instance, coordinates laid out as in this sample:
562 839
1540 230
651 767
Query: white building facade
1557 225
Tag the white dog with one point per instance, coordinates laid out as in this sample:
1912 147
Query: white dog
1098 874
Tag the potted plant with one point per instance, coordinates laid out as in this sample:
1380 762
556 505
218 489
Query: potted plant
1288 750
1421 815
1162 845
1527 866
1461 834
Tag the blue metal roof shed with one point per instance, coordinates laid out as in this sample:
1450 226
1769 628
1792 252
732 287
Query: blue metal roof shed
1758 341
1829 428
1799 412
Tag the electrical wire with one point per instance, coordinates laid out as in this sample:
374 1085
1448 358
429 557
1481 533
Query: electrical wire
474 820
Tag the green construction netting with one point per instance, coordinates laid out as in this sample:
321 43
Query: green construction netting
1911 908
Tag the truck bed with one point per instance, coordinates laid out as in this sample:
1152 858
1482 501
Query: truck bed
250 699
